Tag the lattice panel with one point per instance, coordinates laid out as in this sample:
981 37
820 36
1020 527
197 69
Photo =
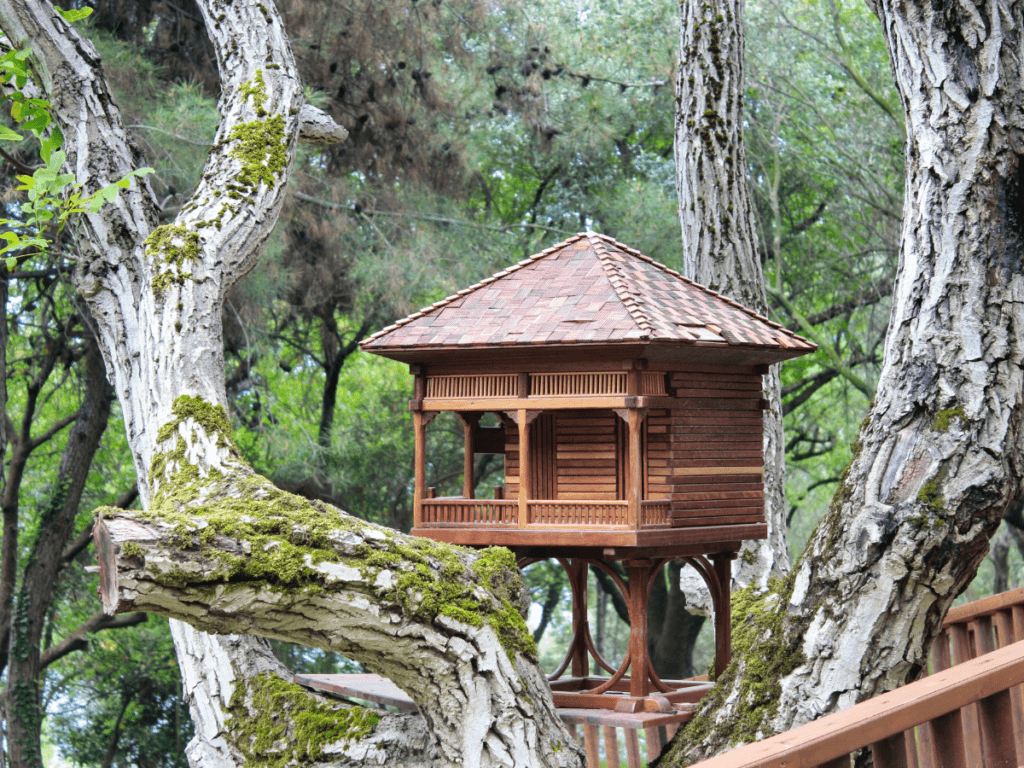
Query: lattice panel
459 387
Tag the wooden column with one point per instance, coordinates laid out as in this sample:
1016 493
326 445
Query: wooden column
723 612
635 468
576 570
420 463
639 576
469 422
523 423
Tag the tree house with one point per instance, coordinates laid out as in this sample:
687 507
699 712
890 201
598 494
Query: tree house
630 404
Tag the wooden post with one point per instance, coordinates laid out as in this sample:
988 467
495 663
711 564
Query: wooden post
634 469
419 459
723 612
524 467
639 576
469 422
577 570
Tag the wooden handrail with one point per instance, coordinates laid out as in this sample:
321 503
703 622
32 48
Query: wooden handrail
885 716
987 606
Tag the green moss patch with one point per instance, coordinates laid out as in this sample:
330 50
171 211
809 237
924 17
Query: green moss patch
171 247
761 656
257 89
261 148
942 419
275 723
286 537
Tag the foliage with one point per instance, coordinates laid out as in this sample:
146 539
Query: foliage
129 680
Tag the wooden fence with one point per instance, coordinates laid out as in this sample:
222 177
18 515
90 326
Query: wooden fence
968 714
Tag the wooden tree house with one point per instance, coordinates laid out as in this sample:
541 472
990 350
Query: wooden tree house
630 404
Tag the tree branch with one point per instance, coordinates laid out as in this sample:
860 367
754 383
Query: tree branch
78 641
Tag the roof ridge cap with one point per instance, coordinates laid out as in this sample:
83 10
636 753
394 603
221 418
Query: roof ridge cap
617 282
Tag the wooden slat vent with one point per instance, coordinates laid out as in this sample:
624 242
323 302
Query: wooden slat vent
652 383
565 384
497 385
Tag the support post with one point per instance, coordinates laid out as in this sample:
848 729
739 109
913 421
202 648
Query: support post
524 467
576 570
634 468
723 612
638 572
419 460
469 422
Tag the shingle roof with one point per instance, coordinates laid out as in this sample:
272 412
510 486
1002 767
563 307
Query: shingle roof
587 289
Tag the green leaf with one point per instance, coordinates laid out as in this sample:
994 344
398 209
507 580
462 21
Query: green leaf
53 142
6 134
11 262
74 15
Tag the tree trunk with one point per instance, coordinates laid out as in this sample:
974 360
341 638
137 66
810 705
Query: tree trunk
719 240
216 533
939 457
24 689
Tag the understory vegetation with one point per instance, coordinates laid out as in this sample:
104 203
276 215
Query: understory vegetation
479 134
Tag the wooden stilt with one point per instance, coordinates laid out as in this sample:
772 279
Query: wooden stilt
639 589
419 459
723 612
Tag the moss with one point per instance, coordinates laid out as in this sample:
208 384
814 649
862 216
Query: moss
931 495
260 146
275 723
760 647
286 537
132 549
942 419
171 247
748 556
257 89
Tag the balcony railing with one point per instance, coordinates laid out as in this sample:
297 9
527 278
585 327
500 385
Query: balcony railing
470 512
542 513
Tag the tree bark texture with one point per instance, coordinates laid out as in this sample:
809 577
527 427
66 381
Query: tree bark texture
156 295
939 457
719 239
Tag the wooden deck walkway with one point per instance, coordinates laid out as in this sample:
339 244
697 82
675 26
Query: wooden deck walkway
968 714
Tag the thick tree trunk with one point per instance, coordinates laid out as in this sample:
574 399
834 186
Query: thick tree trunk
719 239
217 534
939 457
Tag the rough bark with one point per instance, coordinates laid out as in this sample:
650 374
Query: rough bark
156 296
939 457
719 239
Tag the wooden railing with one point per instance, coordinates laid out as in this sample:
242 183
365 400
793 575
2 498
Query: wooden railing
654 512
586 513
597 514
496 385
470 512
968 714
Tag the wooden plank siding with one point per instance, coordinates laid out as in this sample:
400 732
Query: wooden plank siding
715 459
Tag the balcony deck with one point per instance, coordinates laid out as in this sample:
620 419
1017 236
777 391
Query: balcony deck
573 525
